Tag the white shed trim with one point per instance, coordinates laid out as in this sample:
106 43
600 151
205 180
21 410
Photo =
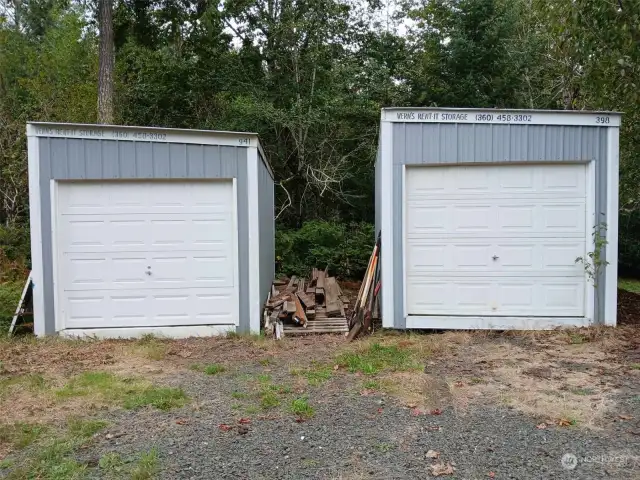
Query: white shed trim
254 240
36 235
611 286
386 224
138 332
494 323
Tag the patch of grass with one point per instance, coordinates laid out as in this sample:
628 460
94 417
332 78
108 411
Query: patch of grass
9 298
581 391
6 463
265 362
147 466
111 463
268 399
577 339
635 366
127 392
162 398
384 447
214 368
317 375
20 435
85 428
251 410
32 381
264 378
371 385
629 284
300 407
149 346
309 463
377 358
239 395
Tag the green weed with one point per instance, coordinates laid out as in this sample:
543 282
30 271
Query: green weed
268 399
372 385
20 435
635 366
377 358
300 407
629 284
162 398
147 466
239 395
127 392
85 428
213 369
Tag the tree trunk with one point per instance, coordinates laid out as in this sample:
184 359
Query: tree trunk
106 62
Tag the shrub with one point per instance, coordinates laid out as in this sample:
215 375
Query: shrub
345 248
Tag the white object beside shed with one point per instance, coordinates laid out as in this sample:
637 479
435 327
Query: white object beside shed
483 213
138 230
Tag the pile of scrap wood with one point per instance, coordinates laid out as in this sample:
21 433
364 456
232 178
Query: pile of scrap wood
367 305
301 305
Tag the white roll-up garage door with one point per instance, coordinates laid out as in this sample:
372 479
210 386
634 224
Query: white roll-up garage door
495 240
145 253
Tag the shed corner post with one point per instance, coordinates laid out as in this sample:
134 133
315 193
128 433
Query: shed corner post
254 239
386 222
33 156
611 255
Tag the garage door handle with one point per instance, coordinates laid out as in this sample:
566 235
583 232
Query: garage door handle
495 257
148 272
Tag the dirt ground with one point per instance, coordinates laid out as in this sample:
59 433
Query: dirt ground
393 405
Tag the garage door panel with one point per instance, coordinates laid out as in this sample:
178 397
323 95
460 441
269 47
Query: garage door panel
104 309
146 253
514 257
500 296
501 180
495 240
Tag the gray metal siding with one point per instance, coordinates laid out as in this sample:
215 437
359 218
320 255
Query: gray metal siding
436 143
441 144
266 228
79 159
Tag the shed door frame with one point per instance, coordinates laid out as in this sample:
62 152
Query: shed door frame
57 285
463 321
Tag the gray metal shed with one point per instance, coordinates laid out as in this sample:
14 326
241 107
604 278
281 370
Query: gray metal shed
138 230
483 214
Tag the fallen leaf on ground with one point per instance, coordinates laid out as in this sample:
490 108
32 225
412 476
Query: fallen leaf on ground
300 420
459 384
434 428
542 426
366 392
379 410
415 412
336 367
412 405
436 411
244 421
625 417
563 422
182 421
433 454
224 427
441 469
492 475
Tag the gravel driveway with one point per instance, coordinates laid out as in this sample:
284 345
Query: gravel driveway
352 436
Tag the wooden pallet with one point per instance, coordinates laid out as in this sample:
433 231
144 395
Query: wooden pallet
321 324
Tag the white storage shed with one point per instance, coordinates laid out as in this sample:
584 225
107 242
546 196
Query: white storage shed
140 230
483 214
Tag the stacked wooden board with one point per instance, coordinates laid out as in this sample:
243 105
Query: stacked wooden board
301 305
367 304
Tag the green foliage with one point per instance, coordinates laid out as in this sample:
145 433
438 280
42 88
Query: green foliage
20 435
147 466
629 284
301 407
127 392
214 368
344 248
9 297
376 359
593 261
